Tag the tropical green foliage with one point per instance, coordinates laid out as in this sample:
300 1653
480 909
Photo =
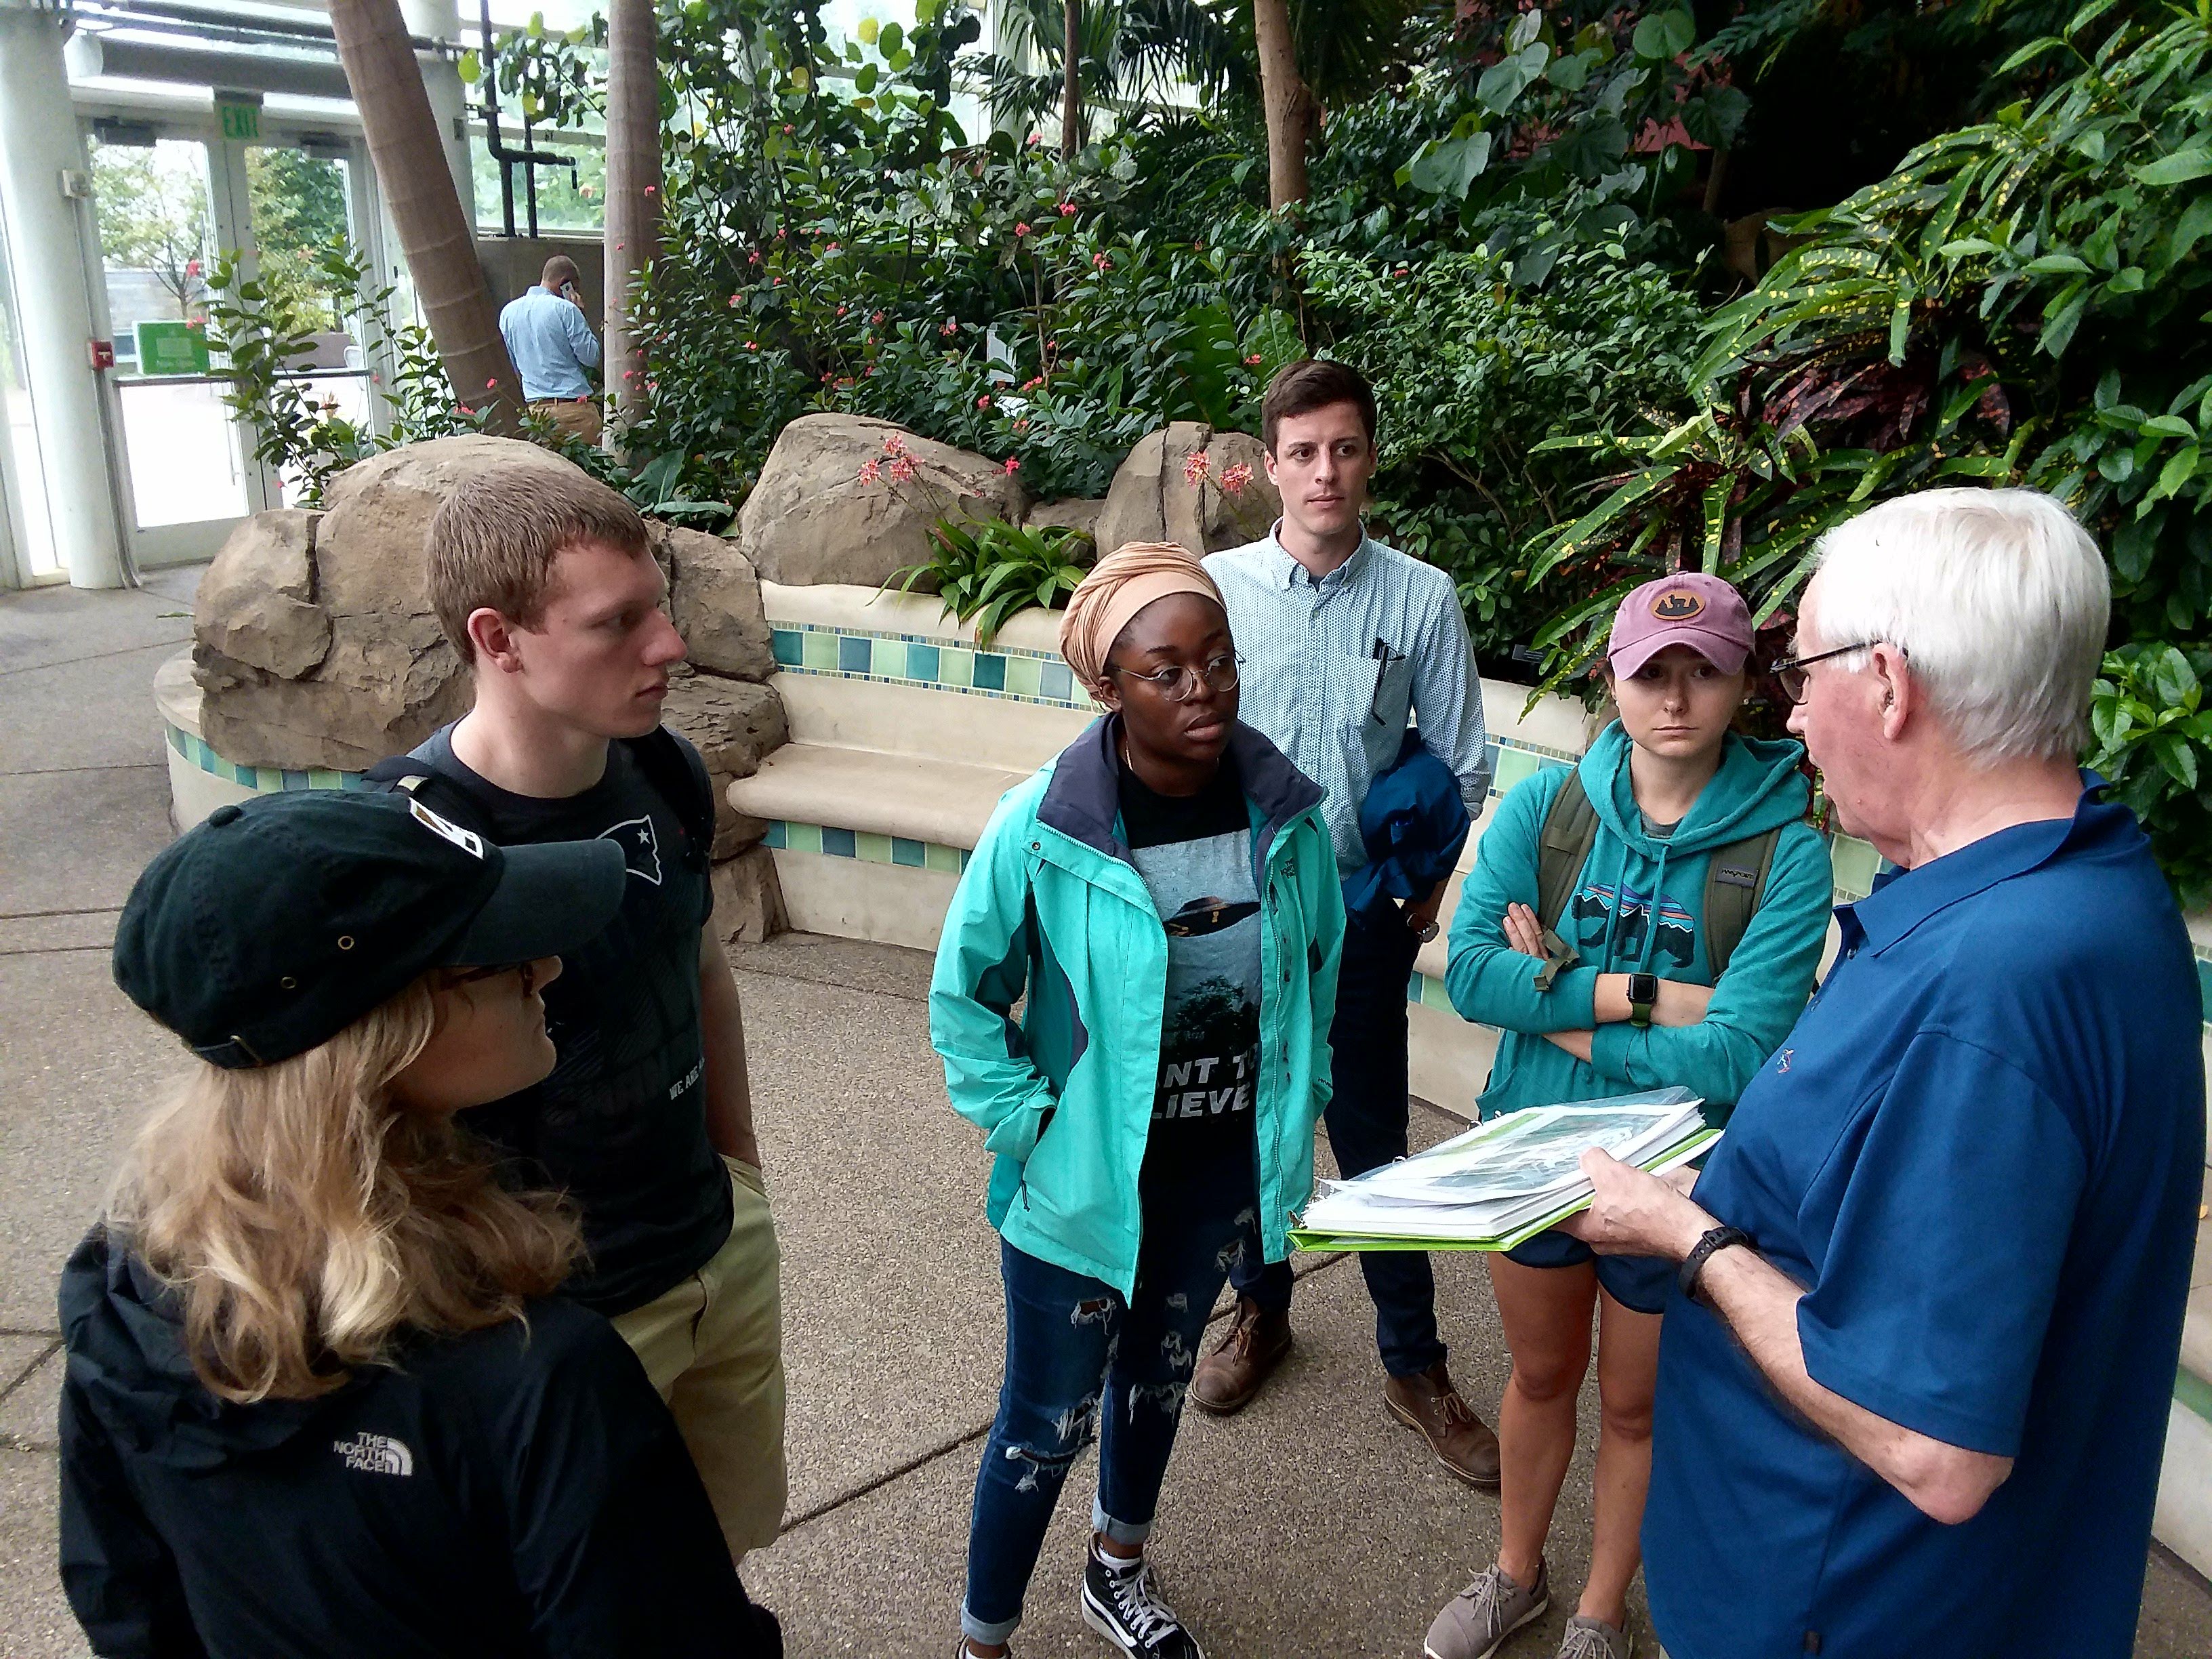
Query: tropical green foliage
2022 301
987 570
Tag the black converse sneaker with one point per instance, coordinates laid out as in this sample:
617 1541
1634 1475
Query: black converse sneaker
1121 1604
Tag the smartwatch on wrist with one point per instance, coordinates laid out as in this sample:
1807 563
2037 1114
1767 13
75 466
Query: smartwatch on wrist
1643 997
1717 1238
1426 931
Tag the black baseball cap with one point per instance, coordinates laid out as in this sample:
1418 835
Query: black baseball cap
276 923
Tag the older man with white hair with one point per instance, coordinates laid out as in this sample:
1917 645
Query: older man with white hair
1914 1384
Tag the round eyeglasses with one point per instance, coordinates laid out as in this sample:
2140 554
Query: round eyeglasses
1181 684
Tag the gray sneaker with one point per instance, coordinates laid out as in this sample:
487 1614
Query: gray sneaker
1593 1639
1476 1623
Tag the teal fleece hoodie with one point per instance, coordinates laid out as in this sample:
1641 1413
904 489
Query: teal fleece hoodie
1616 925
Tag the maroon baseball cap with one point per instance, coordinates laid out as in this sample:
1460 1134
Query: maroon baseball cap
1692 609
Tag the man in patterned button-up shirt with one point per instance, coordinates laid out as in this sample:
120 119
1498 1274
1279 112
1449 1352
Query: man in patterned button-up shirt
1344 641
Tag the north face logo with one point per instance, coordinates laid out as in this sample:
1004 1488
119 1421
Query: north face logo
375 1454
640 846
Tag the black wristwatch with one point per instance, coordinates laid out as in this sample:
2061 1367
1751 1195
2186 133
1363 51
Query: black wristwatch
1718 1238
1643 997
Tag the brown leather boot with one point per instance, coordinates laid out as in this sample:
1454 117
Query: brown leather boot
1228 1378
1462 1442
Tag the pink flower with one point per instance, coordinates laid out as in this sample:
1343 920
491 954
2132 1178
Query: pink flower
870 469
1100 262
840 311
779 229
983 401
752 345
832 248
948 327
1233 479
492 384
786 127
1252 361
1019 426
1067 209
1021 230
870 370
466 410
648 190
877 318
895 445
753 259
734 298
902 469
1036 138
1195 468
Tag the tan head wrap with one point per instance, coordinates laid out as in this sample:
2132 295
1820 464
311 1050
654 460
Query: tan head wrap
1119 585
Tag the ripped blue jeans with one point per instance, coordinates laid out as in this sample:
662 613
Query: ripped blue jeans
1083 1365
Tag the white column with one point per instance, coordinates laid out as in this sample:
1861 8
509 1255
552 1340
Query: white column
39 142
441 20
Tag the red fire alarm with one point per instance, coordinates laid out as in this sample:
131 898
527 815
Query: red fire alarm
103 354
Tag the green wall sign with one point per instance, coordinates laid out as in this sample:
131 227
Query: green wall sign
172 349
241 121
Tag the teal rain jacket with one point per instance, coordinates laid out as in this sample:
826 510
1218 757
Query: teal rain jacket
1052 908
1639 908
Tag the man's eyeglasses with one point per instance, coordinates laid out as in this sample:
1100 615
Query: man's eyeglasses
470 975
1791 676
1181 684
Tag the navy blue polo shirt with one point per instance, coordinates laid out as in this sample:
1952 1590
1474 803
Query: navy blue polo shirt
1981 1150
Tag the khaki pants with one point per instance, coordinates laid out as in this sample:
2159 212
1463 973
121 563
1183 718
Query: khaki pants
578 420
713 1347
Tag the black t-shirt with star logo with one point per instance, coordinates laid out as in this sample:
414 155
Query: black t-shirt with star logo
620 1125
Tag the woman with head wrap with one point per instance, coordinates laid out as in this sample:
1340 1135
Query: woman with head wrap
1162 899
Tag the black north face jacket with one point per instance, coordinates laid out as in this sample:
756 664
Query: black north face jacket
518 1491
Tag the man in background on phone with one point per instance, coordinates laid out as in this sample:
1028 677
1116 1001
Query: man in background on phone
551 344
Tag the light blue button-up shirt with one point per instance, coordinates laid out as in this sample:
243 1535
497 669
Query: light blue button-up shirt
1334 671
551 344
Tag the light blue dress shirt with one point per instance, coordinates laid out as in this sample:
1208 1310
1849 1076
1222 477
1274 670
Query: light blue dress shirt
551 344
1334 671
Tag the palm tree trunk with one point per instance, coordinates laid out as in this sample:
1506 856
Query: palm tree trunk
1289 105
632 233
426 209
1071 96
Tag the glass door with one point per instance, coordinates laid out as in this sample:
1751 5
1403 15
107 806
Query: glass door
188 477
299 202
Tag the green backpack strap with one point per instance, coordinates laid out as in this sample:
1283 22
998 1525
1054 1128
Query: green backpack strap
1564 847
1736 881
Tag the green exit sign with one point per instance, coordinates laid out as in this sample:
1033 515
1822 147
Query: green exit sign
241 121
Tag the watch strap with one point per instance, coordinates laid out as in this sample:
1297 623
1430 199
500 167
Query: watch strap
1716 1238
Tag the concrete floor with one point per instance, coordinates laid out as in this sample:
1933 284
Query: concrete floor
1313 1525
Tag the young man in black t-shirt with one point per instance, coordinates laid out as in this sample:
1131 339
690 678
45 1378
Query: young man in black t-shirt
549 586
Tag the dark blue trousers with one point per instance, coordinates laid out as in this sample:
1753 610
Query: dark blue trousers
1367 1128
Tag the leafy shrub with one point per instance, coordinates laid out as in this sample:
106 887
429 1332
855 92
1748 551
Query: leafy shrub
987 570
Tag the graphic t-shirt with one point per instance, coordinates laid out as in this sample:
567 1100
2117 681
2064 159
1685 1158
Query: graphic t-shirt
621 1124
1194 853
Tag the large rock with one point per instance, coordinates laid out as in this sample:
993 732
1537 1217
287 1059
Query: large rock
732 723
1159 494
749 899
811 518
388 677
256 604
1069 512
716 600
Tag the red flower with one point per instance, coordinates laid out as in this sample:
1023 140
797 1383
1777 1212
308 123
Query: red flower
752 345
1012 465
1065 208
1021 230
832 248
840 311
1100 262
1253 362
948 326
902 469
983 402
1233 479
870 469
492 384
895 444
877 318
1195 468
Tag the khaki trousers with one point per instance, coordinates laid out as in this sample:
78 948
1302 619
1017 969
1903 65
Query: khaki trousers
578 420
713 1347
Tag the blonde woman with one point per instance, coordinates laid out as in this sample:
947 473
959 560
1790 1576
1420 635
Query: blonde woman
318 1399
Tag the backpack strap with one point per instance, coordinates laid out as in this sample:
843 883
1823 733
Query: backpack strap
1562 849
1735 881
675 770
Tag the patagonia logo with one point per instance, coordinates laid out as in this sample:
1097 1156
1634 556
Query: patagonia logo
1737 875
375 1454
1677 604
